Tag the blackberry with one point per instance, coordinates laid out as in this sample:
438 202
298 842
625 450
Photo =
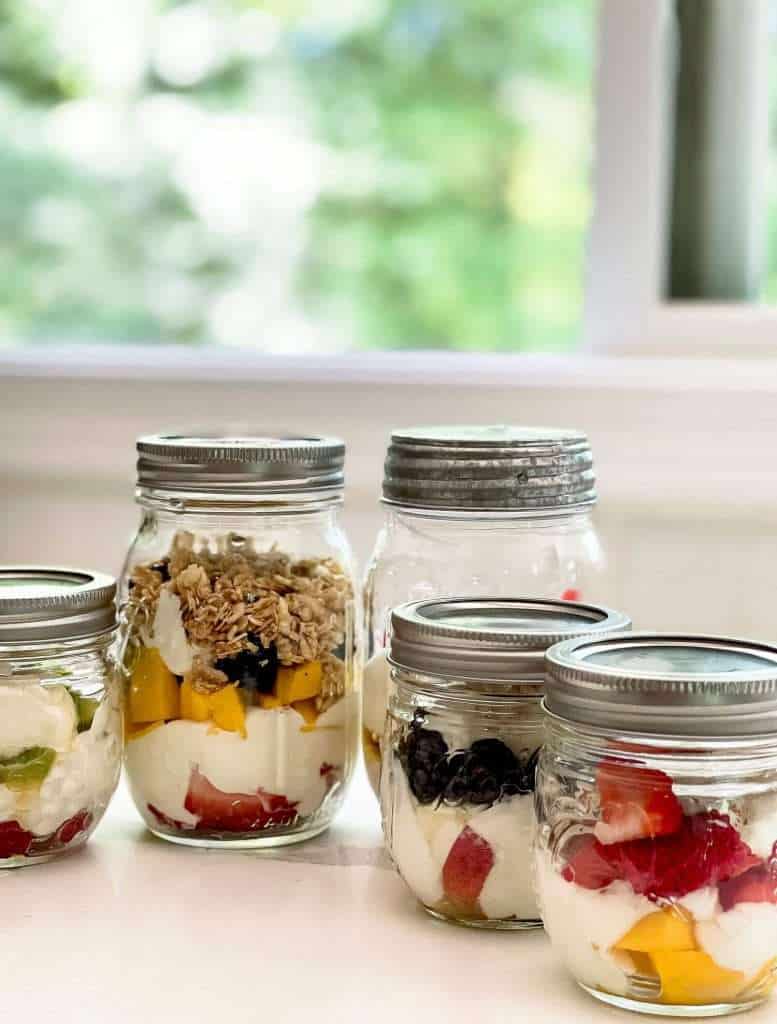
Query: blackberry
424 757
253 670
496 755
472 780
521 781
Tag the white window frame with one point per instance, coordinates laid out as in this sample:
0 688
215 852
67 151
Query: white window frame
626 313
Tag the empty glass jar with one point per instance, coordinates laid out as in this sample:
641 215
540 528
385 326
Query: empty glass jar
495 511
240 632
60 711
656 859
462 739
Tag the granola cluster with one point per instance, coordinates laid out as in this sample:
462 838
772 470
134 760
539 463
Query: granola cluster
235 593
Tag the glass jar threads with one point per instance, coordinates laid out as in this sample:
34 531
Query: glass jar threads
60 713
495 511
239 622
462 738
657 820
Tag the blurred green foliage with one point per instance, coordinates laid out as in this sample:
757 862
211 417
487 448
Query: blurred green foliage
451 140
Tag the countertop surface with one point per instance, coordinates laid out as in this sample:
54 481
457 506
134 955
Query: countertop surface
133 929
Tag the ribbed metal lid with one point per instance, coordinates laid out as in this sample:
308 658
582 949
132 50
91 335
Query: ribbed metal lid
38 604
665 684
247 464
489 640
489 467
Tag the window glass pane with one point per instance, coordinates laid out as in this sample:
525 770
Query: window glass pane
295 175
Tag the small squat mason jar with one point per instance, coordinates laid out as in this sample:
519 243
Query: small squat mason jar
462 739
60 710
494 511
656 858
239 630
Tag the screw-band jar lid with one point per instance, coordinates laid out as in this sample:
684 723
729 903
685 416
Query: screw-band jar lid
489 640
250 464
39 604
483 468
665 684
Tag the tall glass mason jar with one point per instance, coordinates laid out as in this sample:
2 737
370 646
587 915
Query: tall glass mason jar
496 511
657 820
462 739
240 630
60 710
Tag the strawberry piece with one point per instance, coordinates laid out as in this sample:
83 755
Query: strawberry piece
165 819
636 803
65 834
235 812
571 594
758 885
14 840
707 850
465 870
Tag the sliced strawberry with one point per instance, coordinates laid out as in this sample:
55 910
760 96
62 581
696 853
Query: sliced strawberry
636 803
14 840
65 834
166 820
571 594
758 885
705 851
466 868
235 812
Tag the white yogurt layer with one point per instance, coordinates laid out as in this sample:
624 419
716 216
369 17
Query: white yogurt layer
36 716
82 777
760 829
742 939
168 635
422 837
276 756
583 924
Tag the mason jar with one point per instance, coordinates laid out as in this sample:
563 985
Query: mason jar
60 711
463 735
239 625
491 511
657 820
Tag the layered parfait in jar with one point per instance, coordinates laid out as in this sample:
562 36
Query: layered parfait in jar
240 710
660 843
463 737
60 714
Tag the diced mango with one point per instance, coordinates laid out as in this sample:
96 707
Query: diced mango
299 682
194 706
153 689
641 964
691 978
269 701
227 710
309 711
667 930
224 707
134 732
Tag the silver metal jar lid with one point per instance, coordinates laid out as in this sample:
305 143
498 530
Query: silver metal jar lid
489 640
665 684
245 464
489 468
39 604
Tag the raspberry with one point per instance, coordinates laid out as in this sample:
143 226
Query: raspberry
705 851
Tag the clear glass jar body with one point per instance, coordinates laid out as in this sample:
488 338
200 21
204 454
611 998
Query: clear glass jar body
663 853
423 554
242 673
457 799
60 745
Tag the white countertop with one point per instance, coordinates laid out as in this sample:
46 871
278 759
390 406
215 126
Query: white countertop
133 929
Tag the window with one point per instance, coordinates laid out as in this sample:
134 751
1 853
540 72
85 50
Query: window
295 175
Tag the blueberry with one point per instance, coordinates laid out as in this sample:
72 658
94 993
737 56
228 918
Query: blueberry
252 669
163 568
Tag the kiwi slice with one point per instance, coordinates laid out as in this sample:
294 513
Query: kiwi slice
27 769
86 708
